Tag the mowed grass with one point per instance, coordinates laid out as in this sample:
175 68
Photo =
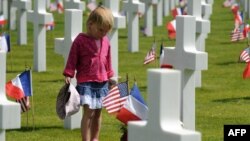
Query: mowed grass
223 98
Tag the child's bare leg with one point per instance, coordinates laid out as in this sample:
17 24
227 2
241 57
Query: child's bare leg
85 123
96 125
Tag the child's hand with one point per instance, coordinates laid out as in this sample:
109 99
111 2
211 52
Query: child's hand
112 82
67 80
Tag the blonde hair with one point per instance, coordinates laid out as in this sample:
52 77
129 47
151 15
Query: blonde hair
101 16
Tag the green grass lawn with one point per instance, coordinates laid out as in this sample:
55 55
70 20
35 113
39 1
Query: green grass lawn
224 97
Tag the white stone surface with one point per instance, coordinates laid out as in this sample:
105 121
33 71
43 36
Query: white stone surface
39 17
166 7
22 7
206 10
72 27
133 8
148 18
163 124
186 58
119 23
159 14
202 28
10 112
74 4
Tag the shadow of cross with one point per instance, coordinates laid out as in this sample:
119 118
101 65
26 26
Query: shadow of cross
10 112
72 27
22 7
187 59
133 8
39 17
163 124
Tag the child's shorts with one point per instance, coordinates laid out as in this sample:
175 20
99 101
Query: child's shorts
92 93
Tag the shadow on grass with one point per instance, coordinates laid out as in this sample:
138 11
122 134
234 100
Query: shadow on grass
56 80
29 129
227 63
227 100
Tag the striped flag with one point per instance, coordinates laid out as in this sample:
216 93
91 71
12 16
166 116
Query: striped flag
237 35
24 103
150 55
244 55
116 98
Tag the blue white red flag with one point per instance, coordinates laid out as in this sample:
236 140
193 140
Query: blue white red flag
238 18
20 86
5 42
3 21
177 11
134 108
116 97
171 28
50 26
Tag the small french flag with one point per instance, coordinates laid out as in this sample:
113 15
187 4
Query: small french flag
3 21
20 86
5 42
171 28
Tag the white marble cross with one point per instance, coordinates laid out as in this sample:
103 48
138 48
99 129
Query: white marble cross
72 27
163 124
202 28
166 7
206 10
186 58
10 112
148 18
159 13
22 6
74 4
171 4
133 8
12 16
119 22
39 17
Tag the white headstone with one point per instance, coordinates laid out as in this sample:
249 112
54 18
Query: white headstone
159 14
171 4
133 8
163 124
73 26
148 18
119 22
39 17
206 10
202 28
12 15
166 7
47 4
187 59
10 112
22 7
75 4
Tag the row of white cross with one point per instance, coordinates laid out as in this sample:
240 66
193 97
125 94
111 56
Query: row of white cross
184 57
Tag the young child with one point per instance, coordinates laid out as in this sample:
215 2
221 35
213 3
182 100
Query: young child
90 57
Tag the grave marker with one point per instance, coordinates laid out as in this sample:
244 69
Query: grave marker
202 28
39 17
119 22
166 7
75 4
148 19
163 124
10 112
187 59
72 27
22 7
133 8
206 10
159 14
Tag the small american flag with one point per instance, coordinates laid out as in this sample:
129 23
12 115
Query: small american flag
237 35
24 103
244 55
116 98
150 55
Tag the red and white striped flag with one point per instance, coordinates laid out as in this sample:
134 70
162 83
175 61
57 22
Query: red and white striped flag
237 35
116 98
244 55
150 55
24 103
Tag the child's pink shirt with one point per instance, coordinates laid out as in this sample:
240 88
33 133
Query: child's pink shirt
90 62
